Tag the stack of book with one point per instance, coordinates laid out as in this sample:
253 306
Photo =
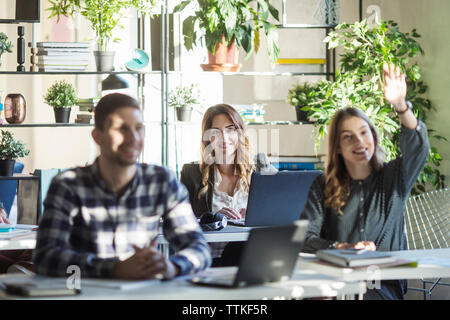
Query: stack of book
251 113
297 162
87 104
307 65
84 118
63 56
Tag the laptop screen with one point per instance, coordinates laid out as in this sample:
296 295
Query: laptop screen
279 198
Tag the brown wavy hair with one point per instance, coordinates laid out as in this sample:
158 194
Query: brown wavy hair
242 166
337 182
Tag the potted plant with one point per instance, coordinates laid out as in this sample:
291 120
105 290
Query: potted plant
299 96
226 25
104 17
5 45
184 99
61 96
10 150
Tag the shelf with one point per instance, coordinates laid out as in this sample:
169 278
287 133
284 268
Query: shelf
20 176
32 125
269 73
277 123
305 26
77 72
270 123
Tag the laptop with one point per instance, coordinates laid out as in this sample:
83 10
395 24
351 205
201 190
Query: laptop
276 199
269 255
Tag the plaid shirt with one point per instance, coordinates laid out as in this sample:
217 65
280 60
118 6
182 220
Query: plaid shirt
86 224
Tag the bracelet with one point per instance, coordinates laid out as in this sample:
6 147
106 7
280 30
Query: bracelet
333 245
408 107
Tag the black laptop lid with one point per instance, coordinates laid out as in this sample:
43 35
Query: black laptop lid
271 253
279 198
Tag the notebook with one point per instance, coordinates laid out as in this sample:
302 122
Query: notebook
355 257
276 199
36 286
269 255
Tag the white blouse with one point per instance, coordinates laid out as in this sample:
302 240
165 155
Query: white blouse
221 199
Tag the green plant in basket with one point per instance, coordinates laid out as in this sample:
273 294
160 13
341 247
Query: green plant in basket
11 149
184 99
299 96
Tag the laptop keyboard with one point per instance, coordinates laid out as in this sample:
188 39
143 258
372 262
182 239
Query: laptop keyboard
237 222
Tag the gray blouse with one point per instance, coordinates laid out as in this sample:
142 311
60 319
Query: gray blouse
375 208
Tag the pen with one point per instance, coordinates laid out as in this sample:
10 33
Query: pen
361 251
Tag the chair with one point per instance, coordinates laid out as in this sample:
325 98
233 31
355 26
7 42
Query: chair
9 189
427 223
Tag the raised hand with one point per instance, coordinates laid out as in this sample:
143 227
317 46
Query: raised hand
395 87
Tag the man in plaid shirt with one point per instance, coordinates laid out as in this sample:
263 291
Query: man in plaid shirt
103 217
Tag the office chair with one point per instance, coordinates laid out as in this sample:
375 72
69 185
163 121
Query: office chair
9 189
427 222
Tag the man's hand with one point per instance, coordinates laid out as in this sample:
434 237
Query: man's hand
395 87
145 263
3 216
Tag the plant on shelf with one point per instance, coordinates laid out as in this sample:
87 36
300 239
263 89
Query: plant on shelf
184 99
5 45
227 24
299 96
359 82
104 16
61 96
10 150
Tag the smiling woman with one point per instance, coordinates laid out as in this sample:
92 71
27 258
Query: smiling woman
360 201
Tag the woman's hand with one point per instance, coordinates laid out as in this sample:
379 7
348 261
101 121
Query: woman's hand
231 213
3 216
395 87
368 245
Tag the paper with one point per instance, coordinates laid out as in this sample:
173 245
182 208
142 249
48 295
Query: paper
439 262
117 284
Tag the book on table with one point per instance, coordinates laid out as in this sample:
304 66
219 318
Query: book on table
36 286
355 258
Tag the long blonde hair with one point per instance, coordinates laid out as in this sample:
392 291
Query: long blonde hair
337 182
242 166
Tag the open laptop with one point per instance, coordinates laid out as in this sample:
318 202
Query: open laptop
276 199
269 255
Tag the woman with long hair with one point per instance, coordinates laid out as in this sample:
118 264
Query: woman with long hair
359 202
221 181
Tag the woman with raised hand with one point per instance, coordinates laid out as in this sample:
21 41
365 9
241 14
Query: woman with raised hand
360 201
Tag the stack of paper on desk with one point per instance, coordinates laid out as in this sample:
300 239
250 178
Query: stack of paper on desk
117 284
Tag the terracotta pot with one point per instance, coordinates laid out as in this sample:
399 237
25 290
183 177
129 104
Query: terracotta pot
225 58
15 108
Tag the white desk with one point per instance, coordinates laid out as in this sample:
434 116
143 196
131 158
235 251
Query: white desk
27 241
179 289
432 264
228 234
